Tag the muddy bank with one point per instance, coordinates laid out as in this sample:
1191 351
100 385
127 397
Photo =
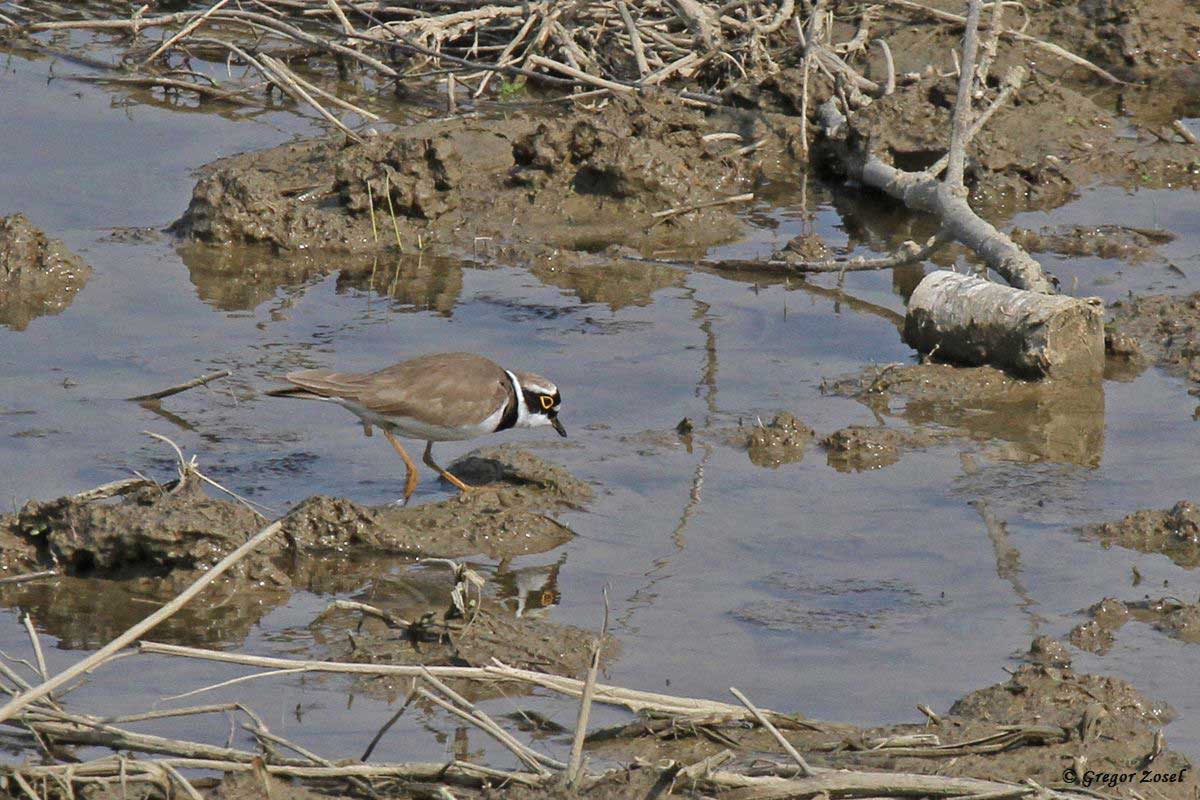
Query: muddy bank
582 180
146 542
1034 153
1173 532
1046 723
38 275
1014 419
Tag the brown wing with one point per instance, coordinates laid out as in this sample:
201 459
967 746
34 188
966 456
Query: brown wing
440 389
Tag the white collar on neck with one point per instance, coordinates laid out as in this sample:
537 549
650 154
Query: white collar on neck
522 409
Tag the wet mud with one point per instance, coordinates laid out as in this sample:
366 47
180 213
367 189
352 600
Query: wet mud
573 197
1172 532
1036 153
582 181
1166 328
38 275
865 447
147 542
1168 615
1133 245
783 441
1043 723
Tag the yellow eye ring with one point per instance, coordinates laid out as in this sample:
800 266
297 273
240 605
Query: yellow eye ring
547 402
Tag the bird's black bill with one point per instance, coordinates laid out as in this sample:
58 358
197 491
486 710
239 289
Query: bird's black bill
558 426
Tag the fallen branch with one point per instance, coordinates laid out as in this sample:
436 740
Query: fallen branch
921 192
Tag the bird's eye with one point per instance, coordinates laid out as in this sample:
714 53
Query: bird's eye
547 402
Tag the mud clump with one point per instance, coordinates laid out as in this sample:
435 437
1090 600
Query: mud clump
1167 615
864 447
581 181
1173 532
157 529
1167 328
1048 651
781 442
38 276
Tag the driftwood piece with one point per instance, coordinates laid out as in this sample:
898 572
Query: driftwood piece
975 321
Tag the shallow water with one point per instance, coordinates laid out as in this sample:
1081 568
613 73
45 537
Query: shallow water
848 596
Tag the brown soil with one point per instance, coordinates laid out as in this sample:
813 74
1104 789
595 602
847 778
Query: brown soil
1136 39
582 181
1019 420
38 276
1174 532
1167 329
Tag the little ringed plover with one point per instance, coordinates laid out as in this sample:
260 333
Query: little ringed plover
441 397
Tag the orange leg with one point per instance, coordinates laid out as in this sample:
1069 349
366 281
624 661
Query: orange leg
410 482
428 459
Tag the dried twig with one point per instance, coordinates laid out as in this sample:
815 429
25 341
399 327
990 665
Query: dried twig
723 201
805 770
575 764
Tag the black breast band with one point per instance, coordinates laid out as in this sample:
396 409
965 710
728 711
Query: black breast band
510 409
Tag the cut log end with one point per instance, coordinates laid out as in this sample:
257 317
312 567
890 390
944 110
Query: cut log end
973 321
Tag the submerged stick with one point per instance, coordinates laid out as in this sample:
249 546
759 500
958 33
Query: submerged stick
24 699
182 387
